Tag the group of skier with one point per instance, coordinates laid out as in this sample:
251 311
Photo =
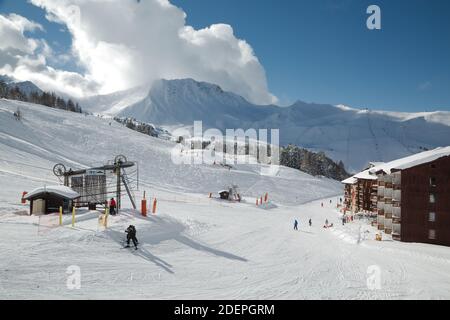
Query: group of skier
296 224
327 225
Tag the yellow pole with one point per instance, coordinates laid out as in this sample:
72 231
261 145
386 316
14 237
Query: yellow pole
60 216
73 217
106 217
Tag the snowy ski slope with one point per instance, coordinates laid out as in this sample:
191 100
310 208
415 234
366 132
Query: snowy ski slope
194 247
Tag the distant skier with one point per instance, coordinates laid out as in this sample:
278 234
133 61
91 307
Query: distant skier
326 222
131 236
112 207
310 222
343 220
295 224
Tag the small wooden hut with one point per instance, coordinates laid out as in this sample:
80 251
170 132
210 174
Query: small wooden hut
48 199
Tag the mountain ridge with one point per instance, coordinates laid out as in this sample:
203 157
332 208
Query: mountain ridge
353 136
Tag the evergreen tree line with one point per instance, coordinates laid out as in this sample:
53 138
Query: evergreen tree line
45 98
135 125
316 164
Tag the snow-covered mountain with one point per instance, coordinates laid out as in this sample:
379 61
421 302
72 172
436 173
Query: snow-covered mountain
343 133
173 102
113 104
26 87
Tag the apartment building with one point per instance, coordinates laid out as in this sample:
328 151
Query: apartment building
411 196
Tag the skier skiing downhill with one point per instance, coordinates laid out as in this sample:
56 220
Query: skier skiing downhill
131 235
295 224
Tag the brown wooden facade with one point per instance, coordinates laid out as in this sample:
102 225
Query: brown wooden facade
364 194
425 204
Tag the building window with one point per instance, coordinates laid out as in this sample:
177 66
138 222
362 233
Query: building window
432 234
432 198
433 181
432 217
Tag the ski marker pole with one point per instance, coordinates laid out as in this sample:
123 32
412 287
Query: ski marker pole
73 217
105 222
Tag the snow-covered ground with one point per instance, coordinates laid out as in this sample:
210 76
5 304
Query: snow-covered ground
194 247
206 249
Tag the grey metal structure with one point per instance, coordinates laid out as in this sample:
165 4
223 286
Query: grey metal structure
92 183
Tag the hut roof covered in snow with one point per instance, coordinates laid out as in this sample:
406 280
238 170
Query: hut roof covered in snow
62 191
412 161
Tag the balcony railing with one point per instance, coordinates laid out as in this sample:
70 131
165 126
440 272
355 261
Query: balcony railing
396 220
397 195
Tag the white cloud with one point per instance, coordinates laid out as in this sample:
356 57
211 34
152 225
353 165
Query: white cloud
26 59
122 44
12 28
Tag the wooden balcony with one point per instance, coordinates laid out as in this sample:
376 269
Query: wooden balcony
396 236
396 220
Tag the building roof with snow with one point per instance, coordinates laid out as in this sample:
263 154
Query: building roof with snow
366 175
61 191
412 161
351 180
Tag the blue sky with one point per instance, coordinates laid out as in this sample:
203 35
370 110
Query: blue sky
321 51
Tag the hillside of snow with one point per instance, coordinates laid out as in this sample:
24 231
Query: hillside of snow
351 135
113 104
46 136
195 247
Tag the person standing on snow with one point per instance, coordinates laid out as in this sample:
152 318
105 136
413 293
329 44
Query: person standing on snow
131 236
295 224
112 207
310 222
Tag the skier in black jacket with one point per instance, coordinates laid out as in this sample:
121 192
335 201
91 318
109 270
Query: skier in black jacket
131 235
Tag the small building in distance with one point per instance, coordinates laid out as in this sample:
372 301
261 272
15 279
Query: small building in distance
48 199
